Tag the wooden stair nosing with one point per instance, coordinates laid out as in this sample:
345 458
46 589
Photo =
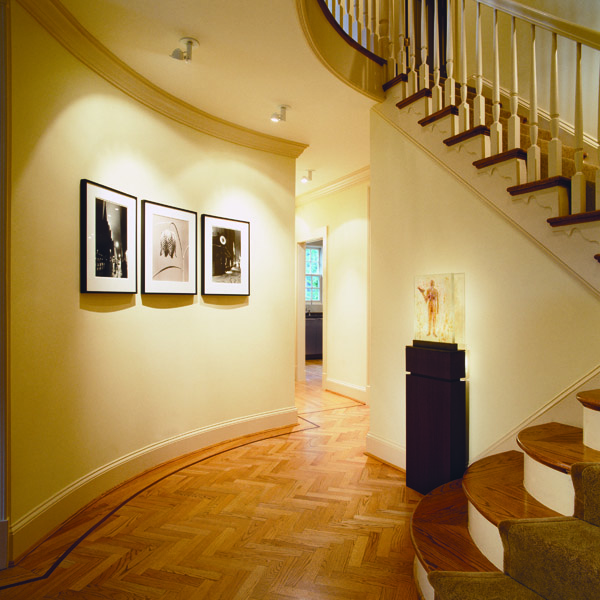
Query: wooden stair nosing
424 93
540 184
501 157
440 114
467 135
556 445
440 533
584 217
494 486
590 398
392 82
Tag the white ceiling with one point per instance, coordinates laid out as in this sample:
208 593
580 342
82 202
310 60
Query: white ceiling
252 57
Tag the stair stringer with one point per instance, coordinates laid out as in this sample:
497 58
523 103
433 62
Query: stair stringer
573 246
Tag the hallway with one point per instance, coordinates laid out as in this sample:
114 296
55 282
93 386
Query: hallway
302 514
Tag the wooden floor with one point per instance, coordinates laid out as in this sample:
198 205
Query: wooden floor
299 514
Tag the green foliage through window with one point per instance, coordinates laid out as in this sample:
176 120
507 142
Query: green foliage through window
313 275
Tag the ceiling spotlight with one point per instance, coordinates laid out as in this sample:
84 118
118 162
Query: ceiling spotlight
186 54
281 115
308 177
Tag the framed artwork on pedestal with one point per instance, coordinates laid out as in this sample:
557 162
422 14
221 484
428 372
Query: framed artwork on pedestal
440 308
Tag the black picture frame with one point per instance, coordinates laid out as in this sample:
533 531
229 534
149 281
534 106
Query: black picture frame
225 256
108 243
169 249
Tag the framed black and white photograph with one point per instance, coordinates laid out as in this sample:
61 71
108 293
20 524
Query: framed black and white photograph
169 250
225 256
108 239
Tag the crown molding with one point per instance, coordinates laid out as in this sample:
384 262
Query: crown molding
343 183
61 24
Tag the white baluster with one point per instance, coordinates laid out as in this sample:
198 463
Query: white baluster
450 84
555 145
339 13
366 31
578 180
374 44
424 68
534 169
384 28
412 84
393 48
401 25
496 128
479 101
436 92
514 121
356 28
464 113
348 21
597 207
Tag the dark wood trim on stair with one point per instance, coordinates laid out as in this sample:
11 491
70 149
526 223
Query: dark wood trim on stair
590 398
440 114
467 135
502 157
597 257
425 93
347 38
540 184
584 217
392 82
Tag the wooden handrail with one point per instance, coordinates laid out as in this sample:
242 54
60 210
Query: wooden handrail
578 33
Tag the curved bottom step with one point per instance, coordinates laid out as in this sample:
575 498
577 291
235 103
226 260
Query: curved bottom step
441 538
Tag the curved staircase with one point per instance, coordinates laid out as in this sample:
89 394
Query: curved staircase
470 535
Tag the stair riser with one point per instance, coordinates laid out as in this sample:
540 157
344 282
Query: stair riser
487 537
591 428
548 486
420 574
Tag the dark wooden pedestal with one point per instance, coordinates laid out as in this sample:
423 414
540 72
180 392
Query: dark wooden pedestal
436 435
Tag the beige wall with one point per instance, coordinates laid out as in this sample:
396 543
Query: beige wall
100 380
531 327
345 215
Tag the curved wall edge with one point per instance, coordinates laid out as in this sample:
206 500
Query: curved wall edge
37 523
346 63
57 20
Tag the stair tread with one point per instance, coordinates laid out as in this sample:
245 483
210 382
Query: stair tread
556 445
440 533
494 485
590 399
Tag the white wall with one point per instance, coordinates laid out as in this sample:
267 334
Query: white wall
98 382
531 328
345 215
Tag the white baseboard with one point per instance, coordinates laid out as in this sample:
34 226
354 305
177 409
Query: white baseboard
386 451
356 392
37 523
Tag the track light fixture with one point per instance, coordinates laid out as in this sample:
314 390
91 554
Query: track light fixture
281 115
308 177
186 54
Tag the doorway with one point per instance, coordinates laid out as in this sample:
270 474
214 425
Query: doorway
311 355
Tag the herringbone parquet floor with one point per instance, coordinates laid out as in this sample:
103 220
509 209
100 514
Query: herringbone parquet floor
302 514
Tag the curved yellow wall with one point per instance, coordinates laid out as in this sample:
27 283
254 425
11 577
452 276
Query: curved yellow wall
105 385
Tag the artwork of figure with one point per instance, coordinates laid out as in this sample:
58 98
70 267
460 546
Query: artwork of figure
431 297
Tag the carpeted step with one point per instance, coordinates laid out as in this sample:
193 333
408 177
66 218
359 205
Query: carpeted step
478 586
558 558
586 481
